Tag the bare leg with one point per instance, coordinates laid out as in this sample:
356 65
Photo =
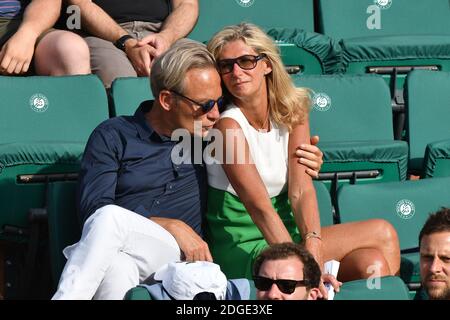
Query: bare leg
358 245
62 53
363 263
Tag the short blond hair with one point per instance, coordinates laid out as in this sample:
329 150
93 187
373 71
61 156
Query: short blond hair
169 70
288 105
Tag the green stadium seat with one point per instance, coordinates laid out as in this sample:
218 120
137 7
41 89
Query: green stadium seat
352 115
44 125
388 33
428 118
389 37
289 22
64 227
128 93
138 293
325 204
385 288
406 205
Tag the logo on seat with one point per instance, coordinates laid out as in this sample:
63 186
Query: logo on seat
245 3
383 4
405 209
39 102
321 101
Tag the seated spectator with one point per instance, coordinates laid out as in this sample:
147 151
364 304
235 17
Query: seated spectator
287 271
434 241
26 37
124 37
268 197
283 271
140 210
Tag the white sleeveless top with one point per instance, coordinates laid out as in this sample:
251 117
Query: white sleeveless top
269 152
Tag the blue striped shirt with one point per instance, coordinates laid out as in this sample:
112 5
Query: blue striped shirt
10 8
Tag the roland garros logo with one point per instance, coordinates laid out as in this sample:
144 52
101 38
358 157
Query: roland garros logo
321 101
405 209
383 4
38 102
244 3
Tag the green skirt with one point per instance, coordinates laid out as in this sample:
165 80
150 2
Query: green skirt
233 238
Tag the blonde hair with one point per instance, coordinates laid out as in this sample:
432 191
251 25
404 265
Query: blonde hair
288 105
169 70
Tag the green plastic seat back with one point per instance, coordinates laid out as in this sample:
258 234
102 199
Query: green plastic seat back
44 125
361 18
63 224
385 288
324 202
406 205
56 109
128 93
215 14
138 293
349 107
428 112
437 159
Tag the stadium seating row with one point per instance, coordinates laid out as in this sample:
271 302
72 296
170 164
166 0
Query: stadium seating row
351 113
386 37
387 288
45 123
367 30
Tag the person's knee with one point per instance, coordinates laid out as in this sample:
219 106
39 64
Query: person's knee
62 53
362 264
386 233
108 218
376 264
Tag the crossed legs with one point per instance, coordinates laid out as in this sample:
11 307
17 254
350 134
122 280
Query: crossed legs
118 250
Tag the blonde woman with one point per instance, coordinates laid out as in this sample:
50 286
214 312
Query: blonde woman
270 198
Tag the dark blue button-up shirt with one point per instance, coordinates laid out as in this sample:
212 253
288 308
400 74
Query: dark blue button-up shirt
129 164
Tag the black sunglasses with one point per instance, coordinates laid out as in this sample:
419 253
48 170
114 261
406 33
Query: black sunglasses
285 286
246 62
208 105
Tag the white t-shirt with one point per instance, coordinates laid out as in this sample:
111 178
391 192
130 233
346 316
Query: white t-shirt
269 152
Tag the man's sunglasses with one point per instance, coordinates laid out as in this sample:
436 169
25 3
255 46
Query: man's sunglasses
206 106
285 286
246 62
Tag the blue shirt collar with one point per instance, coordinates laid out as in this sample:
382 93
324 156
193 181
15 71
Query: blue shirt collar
144 128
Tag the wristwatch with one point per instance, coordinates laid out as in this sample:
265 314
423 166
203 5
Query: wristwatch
120 43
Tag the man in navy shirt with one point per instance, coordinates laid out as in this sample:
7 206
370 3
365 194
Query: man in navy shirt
127 169
141 208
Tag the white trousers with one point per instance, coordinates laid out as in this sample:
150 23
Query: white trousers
118 250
